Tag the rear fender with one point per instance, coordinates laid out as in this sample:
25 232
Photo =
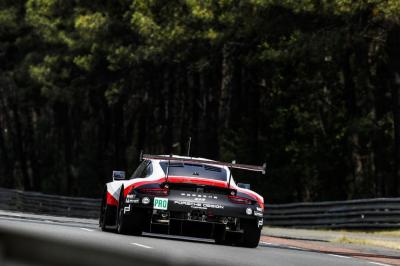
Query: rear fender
114 188
113 193
245 193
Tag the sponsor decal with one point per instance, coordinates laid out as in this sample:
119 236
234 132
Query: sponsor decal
200 190
249 211
200 199
145 200
258 214
199 196
160 203
213 206
198 205
132 201
127 209
260 222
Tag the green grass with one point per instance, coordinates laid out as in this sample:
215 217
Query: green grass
369 242
390 233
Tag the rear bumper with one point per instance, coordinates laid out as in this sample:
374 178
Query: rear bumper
212 205
184 210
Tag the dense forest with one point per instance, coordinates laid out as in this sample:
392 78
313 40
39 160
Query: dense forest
312 87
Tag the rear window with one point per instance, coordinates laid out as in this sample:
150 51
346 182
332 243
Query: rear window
194 170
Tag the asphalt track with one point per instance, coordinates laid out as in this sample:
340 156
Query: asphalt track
184 250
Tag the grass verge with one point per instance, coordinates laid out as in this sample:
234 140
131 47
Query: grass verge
389 233
369 242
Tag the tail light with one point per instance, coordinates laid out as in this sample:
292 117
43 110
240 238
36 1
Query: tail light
239 200
154 191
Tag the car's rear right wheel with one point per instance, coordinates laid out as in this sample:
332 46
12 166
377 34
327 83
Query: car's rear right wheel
251 233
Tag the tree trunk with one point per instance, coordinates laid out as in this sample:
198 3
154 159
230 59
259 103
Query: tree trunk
228 114
393 44
195 106
19 143
395 191
119 136
168 94
378 142
32 151
65 144
226 86
5 161
4 131
353 115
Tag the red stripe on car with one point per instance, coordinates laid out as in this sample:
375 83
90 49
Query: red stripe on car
193 180
111 200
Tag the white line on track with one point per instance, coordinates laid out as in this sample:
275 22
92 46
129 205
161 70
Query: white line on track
296 248
140 245
339 256
180 237
89 230
377 263
268 243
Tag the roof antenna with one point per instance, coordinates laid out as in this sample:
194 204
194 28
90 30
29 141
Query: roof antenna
189 141
230 174
169 159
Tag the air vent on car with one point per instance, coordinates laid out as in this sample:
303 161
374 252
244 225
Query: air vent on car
176 165
212 168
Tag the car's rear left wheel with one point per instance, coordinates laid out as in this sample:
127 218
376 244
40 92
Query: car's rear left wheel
123 223
105 215
131 224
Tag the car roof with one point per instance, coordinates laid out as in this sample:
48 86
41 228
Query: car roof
185 157
194 158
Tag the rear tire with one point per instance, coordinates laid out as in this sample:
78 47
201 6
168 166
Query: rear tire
105 215
131 224
123 224
251 233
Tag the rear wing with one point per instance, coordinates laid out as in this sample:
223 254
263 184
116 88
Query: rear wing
247 167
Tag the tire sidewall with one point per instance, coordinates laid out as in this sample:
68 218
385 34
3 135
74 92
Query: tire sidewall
120 214
251 234
103 213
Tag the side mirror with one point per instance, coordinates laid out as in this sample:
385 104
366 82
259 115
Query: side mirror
244 185
118 175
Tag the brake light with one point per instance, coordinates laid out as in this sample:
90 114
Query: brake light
239 200
154 191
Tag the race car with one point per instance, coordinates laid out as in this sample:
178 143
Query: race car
185 196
